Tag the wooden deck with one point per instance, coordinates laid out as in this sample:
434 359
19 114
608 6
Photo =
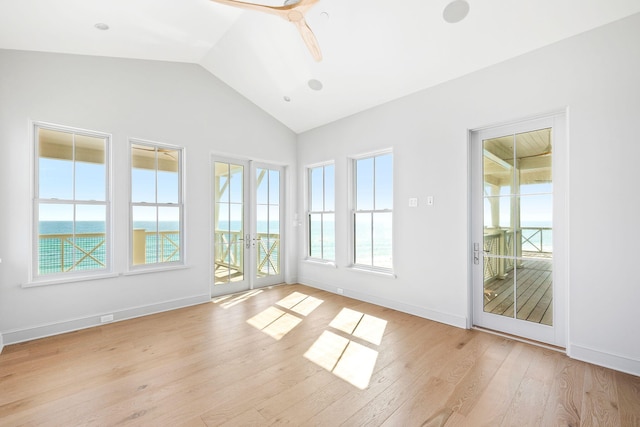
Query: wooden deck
534 297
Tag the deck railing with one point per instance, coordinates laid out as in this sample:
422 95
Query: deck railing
67 252
498 243
229 253
62 252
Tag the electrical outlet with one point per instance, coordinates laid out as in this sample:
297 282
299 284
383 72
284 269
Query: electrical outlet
106 318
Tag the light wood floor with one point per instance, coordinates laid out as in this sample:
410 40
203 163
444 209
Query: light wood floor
293 355
534 295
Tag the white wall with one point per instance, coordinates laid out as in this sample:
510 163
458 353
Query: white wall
595 75
179 104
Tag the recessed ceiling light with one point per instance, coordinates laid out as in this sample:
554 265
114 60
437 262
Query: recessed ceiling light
315 84
455 11
102 26
286 99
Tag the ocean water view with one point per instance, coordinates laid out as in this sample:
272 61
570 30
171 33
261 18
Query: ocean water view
58 252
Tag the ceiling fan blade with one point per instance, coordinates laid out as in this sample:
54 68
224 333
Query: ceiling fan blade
280 11
309 39
293 13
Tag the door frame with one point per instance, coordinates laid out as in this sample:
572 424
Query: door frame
250 280
557 334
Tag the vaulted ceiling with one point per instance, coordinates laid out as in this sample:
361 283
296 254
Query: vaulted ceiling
373 50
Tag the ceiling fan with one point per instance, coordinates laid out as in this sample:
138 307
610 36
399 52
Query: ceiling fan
292 11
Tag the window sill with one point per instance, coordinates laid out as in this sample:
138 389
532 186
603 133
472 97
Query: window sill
154 269
62 281
384 273
315 261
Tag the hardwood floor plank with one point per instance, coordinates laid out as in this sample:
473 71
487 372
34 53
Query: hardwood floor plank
212 364
628 399
600 405
564 405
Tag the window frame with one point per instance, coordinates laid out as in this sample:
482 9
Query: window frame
353 165
310 212
35 277
162 265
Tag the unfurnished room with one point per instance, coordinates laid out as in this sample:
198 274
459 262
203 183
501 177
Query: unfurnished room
319 212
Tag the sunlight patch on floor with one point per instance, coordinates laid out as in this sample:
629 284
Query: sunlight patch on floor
228 301
352 361
277 322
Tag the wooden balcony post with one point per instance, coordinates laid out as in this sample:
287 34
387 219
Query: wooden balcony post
139 246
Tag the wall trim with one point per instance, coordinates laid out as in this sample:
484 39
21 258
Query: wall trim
437 316
605 359
1 343
46 330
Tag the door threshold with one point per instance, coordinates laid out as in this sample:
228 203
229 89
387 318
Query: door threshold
522 339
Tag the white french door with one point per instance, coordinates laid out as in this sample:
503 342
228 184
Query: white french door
518 242
247 222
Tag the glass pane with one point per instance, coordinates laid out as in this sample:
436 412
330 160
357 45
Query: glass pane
90 173
534 154
329 188
169 236
262 186
317 189
535 291
235 262
364 184
90 181
221 182
382 239
168 187
143 173
145 238
497 212
498 286
315 235
236 187
236 223
363 239
274 219
329 237
384 182
143 186
89 250
274 187
55 226
497 165
262 219
536 220
55 164
55 179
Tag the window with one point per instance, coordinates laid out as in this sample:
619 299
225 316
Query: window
156 204
321 213
71 204
373 215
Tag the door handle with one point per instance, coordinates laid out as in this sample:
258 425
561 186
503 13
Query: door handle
476 253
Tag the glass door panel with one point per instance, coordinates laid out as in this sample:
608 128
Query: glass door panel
267 225
229 223
513 223
517 211
247 222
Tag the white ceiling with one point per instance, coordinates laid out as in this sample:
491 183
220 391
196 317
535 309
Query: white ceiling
374 50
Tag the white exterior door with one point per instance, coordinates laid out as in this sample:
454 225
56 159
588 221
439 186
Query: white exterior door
247 219
518 209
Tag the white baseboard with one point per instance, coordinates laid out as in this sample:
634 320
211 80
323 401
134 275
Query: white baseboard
601 358
437 316
1 343
27 334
